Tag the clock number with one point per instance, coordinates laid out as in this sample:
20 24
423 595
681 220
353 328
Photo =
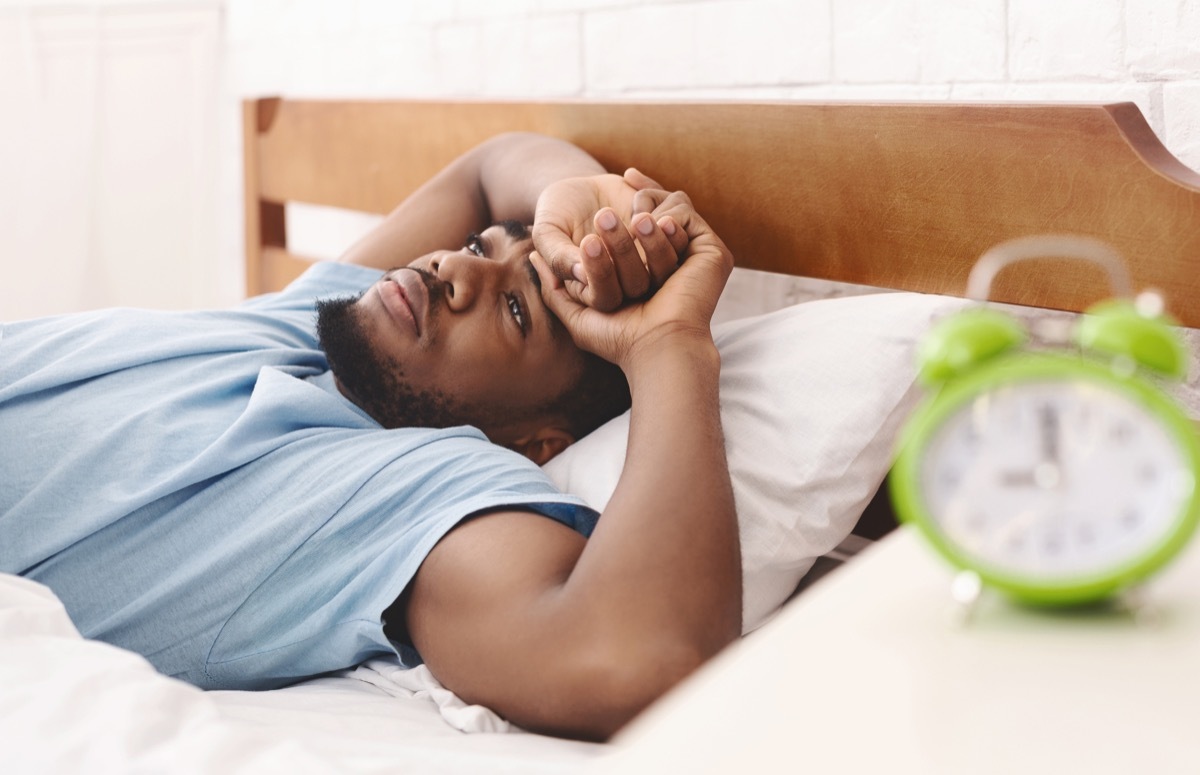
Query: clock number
1048 424
1122 432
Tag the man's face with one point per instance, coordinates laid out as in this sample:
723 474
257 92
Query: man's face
455 337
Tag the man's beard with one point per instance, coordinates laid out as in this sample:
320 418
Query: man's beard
376 381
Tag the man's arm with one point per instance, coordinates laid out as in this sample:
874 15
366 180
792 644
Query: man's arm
498 180
575 637
502 179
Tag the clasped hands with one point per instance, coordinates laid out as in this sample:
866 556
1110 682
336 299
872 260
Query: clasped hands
613 298
588 229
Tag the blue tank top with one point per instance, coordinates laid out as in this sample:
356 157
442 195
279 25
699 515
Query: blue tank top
194 488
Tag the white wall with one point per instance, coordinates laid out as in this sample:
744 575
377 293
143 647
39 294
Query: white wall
1147 51
108 155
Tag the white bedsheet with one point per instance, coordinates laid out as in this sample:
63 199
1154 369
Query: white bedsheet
72 705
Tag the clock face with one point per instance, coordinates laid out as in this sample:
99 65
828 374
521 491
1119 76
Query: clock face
1054 479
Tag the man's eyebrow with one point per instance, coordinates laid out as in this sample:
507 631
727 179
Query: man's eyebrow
514 229
519 232
534 277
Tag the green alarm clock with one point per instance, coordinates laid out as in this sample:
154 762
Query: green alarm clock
1057 477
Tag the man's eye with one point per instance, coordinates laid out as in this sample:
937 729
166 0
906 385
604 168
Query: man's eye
475 245
514 306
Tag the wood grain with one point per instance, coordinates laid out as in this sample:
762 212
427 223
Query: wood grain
252 202
902 196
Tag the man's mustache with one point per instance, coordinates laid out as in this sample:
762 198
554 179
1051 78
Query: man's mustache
434 285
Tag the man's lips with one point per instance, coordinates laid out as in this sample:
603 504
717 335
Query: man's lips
406 298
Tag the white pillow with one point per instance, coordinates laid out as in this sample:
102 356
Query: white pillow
812 397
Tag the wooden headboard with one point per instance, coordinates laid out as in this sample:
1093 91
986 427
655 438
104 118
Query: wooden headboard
902 196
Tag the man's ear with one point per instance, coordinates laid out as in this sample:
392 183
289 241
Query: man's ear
544 443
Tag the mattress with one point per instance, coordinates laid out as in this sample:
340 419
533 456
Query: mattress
73 705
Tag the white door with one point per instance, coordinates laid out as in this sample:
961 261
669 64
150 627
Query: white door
108 155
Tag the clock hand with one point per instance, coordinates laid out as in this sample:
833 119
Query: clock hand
1045 476
1018 478
1048 473
1049 426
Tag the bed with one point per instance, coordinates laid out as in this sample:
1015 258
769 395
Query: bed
827 204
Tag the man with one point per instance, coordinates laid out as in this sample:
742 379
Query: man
247 508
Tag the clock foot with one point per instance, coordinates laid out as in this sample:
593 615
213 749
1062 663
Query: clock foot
965 591
1135 602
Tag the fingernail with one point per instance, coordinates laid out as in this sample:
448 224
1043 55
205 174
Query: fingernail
646 226
578 273
593 249
608 220
668 227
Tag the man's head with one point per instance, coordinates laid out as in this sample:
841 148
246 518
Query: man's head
463 337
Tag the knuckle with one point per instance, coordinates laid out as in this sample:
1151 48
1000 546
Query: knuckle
682 197
601 271
668 261
618 239
637 285
603 302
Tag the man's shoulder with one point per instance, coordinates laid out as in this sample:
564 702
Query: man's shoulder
323 279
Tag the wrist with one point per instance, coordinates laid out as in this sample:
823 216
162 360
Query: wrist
691 348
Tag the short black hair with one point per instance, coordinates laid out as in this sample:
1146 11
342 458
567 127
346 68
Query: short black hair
597 395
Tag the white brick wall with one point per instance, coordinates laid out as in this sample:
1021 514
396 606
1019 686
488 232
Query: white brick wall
508 56
1162 38
713 44
1181 130
1069 39
924 41
1146 51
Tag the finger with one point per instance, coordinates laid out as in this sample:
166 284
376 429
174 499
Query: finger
706 252
649 192
683 219
647 200
672 212
550 281
674 234
603 288
658 202
622 249
661 257
558 251
639 180
559 302
688 232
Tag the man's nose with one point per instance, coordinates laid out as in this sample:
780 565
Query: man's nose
465 277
